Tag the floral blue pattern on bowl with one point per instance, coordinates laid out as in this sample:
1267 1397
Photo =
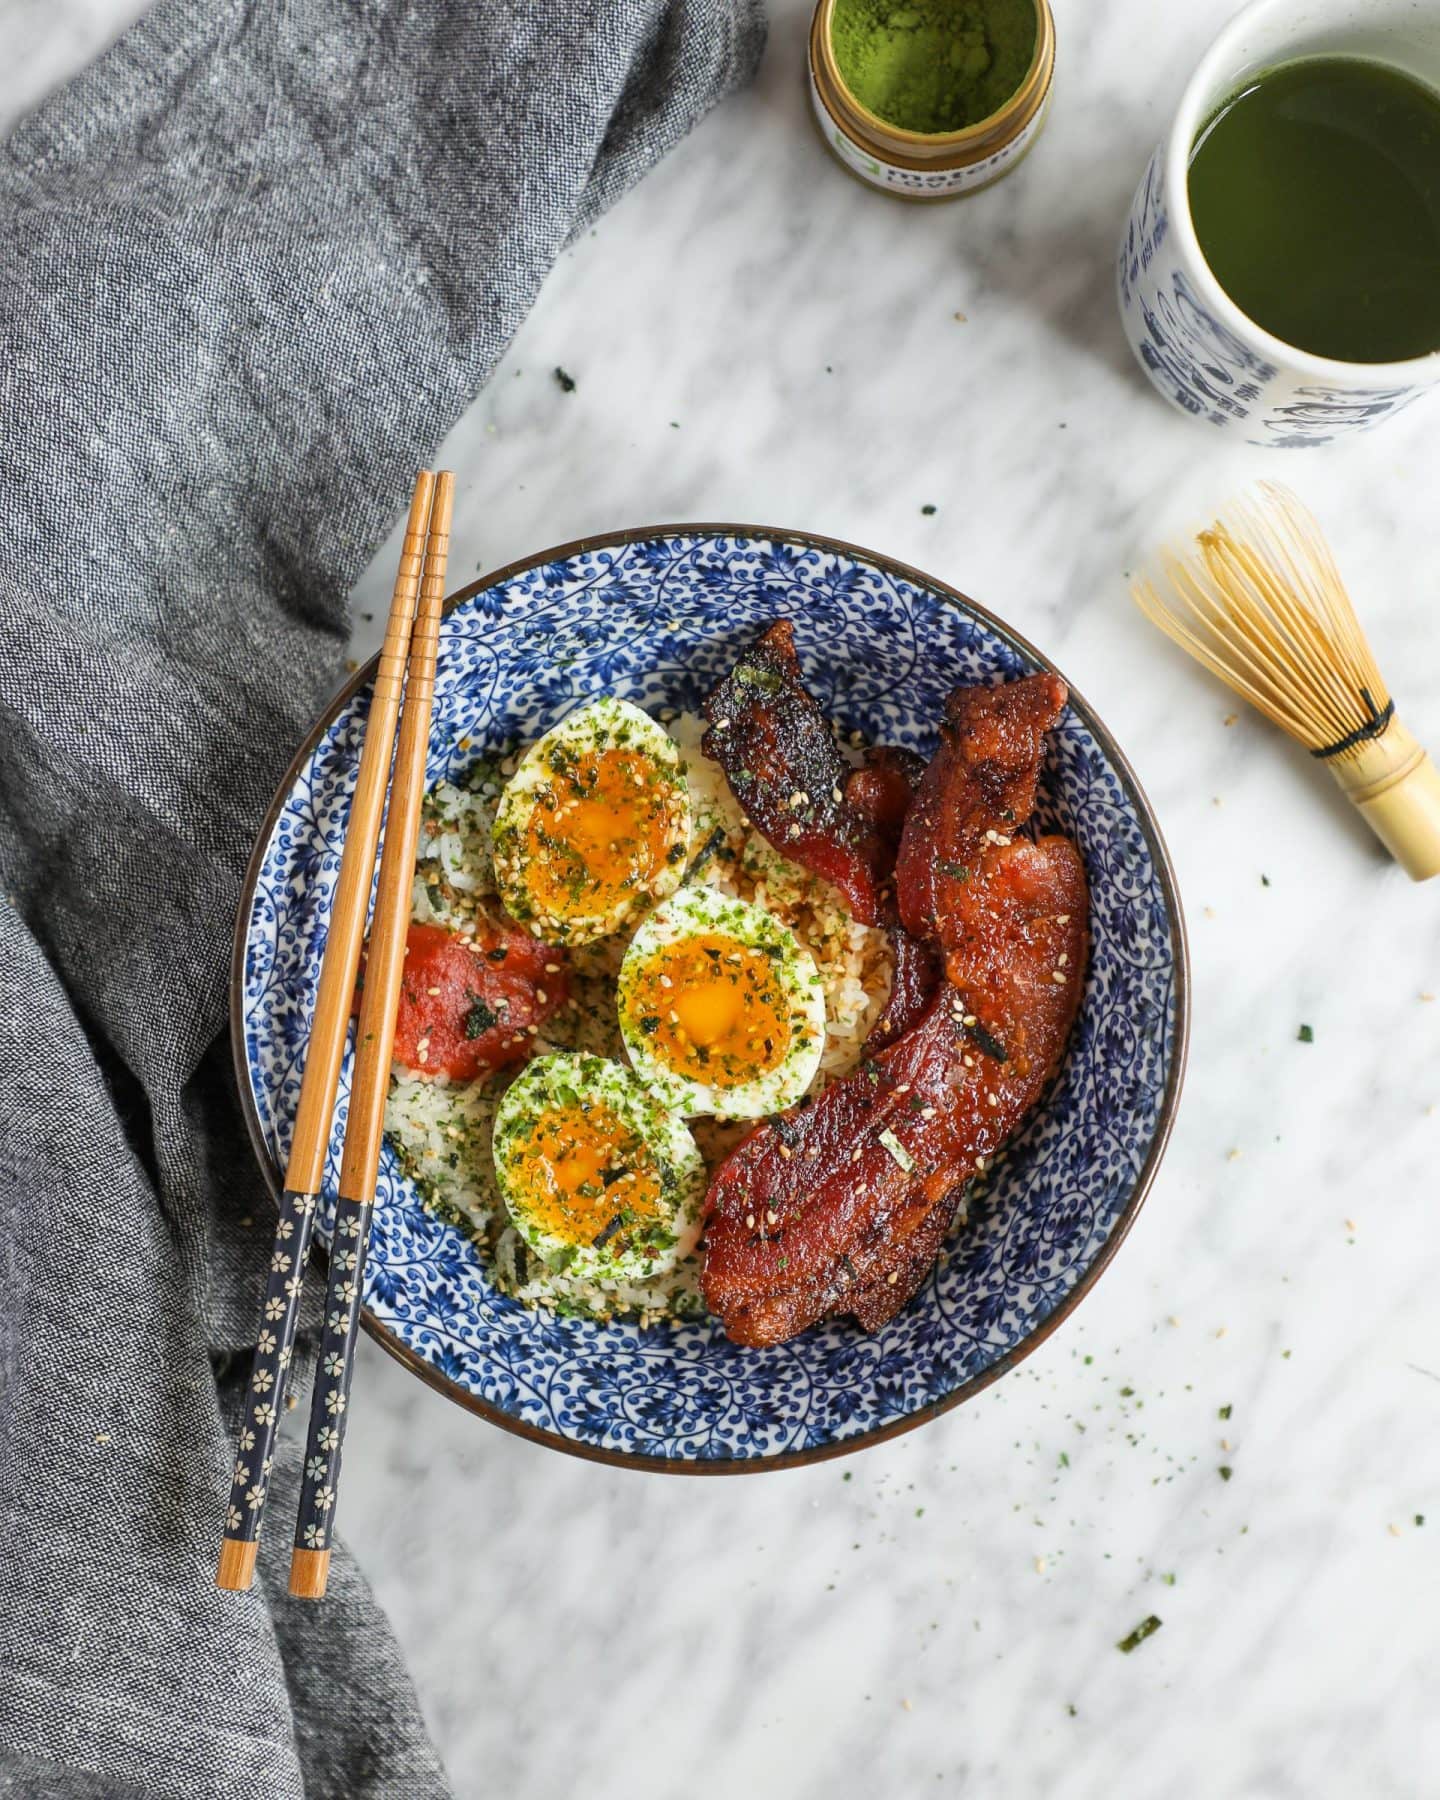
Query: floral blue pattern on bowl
656 618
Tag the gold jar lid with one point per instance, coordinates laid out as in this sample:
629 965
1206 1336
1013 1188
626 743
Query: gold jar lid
880 146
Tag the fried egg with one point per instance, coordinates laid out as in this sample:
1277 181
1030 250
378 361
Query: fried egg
593 826
721 1007
600 1179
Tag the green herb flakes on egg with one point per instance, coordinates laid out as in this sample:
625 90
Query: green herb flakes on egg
721 1007
599 1179
592 828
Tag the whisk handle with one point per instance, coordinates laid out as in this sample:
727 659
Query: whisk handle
1396 789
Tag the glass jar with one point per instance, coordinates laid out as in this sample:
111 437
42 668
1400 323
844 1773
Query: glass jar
922 165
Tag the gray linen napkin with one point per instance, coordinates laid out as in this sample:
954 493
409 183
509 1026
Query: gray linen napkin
252 266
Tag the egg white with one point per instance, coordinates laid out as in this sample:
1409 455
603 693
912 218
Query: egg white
605 724
705 912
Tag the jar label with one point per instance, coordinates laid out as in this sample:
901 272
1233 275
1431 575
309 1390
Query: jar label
893 180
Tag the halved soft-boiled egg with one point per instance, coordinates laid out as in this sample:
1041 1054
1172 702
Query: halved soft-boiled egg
593 826
599 1178
721 1007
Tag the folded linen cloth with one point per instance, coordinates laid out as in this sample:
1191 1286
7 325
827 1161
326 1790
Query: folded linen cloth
252 266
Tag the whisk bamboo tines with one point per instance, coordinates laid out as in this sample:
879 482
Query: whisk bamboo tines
1259 601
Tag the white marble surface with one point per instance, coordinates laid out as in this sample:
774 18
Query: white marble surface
940 1614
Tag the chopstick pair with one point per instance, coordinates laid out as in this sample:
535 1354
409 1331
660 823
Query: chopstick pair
406 669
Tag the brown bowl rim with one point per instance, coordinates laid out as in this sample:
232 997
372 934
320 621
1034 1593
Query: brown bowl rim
967 1390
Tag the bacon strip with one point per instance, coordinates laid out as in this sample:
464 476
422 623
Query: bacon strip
979 786
841 1206
776 747
768 733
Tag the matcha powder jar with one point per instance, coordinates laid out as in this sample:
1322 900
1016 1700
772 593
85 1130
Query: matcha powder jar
930 99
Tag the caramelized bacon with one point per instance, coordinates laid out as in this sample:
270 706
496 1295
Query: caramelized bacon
841 1206
979 786
780 757
914 973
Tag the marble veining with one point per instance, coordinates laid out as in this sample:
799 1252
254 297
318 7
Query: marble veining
753 337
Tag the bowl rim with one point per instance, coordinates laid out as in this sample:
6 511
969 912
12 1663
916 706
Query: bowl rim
967 1390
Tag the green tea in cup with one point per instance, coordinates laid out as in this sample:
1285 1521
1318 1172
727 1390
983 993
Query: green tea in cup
1315 196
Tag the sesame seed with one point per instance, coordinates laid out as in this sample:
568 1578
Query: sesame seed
552 968
1062 960
890 1281
1063 919
749 1221
432 990
772 1217
969 1019
1057 975
541 996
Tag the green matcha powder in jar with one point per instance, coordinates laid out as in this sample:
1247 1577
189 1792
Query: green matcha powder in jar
930 99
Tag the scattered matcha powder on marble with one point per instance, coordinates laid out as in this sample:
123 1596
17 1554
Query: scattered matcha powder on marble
1146 1628
1226 1471
929 511
933 65
566 382
1306 1034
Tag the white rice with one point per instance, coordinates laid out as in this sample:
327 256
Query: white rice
442 1129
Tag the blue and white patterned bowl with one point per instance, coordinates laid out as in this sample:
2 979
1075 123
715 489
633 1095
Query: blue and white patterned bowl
656 616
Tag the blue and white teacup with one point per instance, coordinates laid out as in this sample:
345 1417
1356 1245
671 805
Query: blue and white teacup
1203 354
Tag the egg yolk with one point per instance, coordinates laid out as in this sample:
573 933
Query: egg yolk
713 1009
588 1179
604 829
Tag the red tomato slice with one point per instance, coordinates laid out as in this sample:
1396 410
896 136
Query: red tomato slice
467 1003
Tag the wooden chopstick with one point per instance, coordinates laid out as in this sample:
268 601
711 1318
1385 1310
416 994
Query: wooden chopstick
370 1083
265 1399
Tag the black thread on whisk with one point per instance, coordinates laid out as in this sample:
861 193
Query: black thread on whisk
1372 728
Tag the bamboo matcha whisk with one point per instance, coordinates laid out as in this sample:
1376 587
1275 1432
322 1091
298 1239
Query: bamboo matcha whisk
1260 603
